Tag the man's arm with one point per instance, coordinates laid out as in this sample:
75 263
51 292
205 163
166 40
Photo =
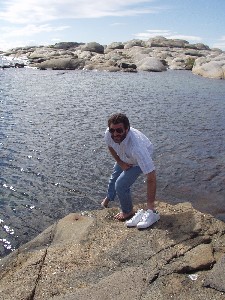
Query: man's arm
121 163
151 190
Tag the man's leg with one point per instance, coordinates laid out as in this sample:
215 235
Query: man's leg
111 193
123 184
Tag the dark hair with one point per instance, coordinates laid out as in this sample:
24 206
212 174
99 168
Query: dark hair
119 118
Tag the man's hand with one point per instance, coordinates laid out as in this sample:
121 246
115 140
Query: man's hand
124 166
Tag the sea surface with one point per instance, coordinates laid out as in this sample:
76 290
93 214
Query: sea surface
53 158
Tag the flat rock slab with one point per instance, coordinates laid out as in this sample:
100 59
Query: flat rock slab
93 256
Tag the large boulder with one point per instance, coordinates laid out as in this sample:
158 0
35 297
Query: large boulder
137 53
201 46
151 64
182 63
115 56
113 46
133 43
62 64
93 47
67 45
164 42
42 53
86 55
214 68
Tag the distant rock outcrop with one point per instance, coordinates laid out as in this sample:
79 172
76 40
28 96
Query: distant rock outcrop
211 67
92 256
62 64
154 55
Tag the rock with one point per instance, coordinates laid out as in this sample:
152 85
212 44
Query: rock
164 42
92 256
151 64
133 43
214 68
102 67
127 65
67 45
182 63
86 55
193 260
138 53
113 55
155 55
215 278
193 52
93 47
201 46
62 64
177 63
113 46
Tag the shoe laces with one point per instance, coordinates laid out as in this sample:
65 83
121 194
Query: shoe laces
146 215
139 212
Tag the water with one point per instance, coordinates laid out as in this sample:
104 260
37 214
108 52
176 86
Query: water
53 157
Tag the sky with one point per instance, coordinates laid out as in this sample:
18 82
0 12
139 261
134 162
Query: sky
47 22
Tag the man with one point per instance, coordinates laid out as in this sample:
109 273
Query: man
132 152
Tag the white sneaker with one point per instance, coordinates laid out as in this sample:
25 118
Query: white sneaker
148 219
135 219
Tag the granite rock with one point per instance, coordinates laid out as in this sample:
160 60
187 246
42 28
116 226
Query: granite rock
92 256
159 54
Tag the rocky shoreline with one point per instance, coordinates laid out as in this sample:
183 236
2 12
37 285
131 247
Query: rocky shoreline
92 256
154 55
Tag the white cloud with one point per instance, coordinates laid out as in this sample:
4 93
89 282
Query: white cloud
5 45
190 38
12 37
220 44
55 40
167 34
38 11
29 30
117 24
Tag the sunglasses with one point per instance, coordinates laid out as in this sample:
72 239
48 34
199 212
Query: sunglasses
118 130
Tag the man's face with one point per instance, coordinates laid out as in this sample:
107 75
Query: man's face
118 132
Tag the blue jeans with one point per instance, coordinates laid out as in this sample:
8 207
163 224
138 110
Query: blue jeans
120 183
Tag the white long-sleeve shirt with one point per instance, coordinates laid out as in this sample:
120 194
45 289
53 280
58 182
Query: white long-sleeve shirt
135 149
